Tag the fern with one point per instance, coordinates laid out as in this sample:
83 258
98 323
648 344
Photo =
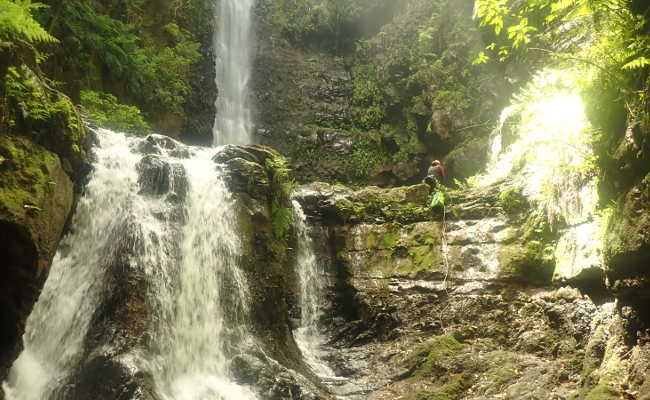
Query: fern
637 63
17 23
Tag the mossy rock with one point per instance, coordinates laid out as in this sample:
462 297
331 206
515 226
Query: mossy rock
452 390
512 200
602 392
433 358
627 244
531 262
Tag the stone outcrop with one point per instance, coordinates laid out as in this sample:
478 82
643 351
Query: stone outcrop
467 304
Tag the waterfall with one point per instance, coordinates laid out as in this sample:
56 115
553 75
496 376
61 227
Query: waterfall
209 301
311 274
167 222
55 330
232 44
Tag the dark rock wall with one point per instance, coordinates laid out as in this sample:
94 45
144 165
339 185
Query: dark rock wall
374 114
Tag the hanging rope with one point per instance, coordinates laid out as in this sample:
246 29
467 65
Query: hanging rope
445 248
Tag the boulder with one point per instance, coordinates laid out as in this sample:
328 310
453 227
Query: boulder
163 145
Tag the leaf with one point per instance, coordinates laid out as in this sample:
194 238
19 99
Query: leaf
32 207
637 63
17 23
482 58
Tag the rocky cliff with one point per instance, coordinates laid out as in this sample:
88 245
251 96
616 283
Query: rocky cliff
375 106
464 304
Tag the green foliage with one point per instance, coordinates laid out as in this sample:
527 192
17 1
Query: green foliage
305 21
37 102
18 25
619 44
512 200
154 75
104 109
282 186
369 98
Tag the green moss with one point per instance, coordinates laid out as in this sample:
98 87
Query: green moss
532 262
450 391
429 358
422 258
512 200
602 392
389 240
24 180
501 375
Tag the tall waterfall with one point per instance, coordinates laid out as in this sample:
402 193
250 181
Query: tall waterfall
232 43
176 234
312 295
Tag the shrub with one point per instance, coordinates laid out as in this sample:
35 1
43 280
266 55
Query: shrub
104 109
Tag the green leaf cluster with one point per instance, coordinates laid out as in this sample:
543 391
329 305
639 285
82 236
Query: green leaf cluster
37 101
318 21
105 110
18 25
280 202
154 75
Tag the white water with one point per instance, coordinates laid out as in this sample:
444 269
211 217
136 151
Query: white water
233 44
55 330
312 281
209 301
199 300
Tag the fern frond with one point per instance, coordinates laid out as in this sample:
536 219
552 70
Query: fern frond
17 23
637 63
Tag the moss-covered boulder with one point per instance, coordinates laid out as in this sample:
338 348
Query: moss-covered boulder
628 238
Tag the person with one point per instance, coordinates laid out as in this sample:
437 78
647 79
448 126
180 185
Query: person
435 174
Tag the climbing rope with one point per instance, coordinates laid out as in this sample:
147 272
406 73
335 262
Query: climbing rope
445 247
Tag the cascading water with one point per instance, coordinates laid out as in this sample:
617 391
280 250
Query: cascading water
232 43
312 295
55 330
208 303
176 232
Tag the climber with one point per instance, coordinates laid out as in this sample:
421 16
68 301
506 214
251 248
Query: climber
435 173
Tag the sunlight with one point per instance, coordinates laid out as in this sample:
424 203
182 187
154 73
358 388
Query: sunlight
548 134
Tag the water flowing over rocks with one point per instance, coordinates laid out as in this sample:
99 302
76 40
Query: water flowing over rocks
124 317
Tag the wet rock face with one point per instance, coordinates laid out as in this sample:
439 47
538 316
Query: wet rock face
121 326
461 305
158 177
160 144
17 292
629 238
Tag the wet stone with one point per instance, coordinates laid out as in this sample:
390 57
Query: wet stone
163 145
158 177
